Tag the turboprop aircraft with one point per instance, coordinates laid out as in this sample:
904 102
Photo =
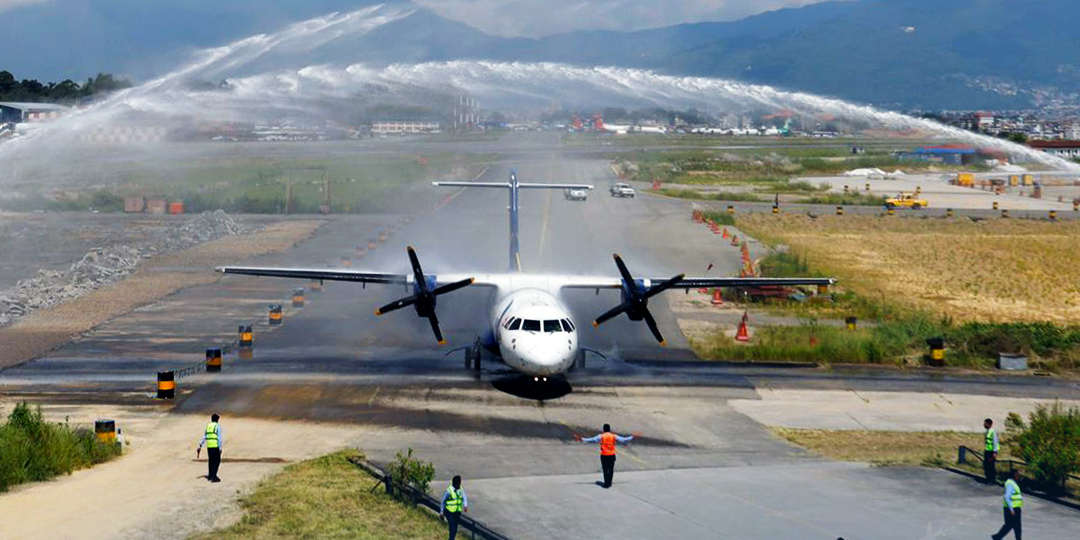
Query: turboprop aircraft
531 329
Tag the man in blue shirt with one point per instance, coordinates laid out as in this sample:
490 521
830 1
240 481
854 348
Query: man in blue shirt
1013 501
454 502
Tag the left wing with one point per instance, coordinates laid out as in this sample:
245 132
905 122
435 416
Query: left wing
317 274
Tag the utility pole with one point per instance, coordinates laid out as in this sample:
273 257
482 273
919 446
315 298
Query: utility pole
288 190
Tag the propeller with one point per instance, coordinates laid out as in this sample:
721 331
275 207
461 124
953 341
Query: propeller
424 298
636 300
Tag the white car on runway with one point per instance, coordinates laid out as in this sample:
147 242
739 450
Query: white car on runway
622 189
576 194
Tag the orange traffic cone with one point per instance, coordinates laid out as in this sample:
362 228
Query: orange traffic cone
717 297
725 232
743 333
813 341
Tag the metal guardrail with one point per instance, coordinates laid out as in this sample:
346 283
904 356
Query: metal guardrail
964 451
417 497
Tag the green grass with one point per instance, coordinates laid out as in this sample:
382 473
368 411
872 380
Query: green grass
720 218
326 497
733 196
33 450
883 448
845 199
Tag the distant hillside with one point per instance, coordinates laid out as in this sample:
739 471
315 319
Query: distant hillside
932 54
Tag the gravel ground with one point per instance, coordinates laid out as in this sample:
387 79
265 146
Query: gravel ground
154 279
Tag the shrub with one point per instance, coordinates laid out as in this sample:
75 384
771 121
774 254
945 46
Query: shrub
406 470
1049 442
32 450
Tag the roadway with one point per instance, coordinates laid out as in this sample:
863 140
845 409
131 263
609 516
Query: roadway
701 469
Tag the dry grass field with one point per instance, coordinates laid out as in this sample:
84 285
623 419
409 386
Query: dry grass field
995 270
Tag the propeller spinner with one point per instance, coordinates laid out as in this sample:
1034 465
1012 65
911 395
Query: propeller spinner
424 298
636 300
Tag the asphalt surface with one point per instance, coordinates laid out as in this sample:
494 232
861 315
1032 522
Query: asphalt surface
699 469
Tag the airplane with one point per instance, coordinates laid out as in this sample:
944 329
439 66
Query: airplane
530 329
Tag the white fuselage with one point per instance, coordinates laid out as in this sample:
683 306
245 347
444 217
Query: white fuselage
533 329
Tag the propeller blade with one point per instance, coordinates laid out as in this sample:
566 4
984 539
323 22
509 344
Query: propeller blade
611 313
418 272
397 304
451 287
649 320
625 272
657 289
435 328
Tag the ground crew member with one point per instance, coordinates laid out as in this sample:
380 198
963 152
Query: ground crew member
990 450
214 442
1013 500
454 502
607 441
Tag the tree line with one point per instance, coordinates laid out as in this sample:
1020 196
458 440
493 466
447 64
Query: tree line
67 91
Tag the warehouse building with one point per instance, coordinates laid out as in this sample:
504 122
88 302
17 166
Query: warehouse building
402 127
19 113
1063 149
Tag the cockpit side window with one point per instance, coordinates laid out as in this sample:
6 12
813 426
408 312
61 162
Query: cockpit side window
567 325
552 326
531 325
515 324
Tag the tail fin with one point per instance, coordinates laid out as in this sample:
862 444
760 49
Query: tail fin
514 186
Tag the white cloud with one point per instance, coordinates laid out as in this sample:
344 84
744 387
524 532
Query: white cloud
9 4
544 17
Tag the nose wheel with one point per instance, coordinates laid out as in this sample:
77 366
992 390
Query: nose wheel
472 357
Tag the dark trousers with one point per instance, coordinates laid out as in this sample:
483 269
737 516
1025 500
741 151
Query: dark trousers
990 467
607 464
213 456
452 519
1012 522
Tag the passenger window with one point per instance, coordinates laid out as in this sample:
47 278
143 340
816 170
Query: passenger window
552 326
531 325
515 324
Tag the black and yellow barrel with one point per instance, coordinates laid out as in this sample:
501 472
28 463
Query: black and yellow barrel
275 316
315 285
890 211
213 360
868 186
937 351
949 212
918 190
839 210
1076 206
247 337
371 244
845 188
1005 212
298 297
995 205
852 323
1053 215
166 385
105 431
775 209
730 209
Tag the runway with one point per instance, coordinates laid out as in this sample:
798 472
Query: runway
700 469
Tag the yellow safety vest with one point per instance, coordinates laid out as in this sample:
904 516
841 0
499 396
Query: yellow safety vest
211 435
1017 498
454 499
990 440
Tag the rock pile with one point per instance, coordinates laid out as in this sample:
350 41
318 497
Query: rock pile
107 265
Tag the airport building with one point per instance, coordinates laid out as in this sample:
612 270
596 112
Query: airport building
1063 149
403 127
19 113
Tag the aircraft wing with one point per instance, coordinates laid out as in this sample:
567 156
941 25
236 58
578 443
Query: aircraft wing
586 282
355 276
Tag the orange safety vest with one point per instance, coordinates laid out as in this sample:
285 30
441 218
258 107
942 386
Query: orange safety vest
607 444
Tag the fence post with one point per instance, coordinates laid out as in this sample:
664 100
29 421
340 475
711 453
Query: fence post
961 458
388 481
